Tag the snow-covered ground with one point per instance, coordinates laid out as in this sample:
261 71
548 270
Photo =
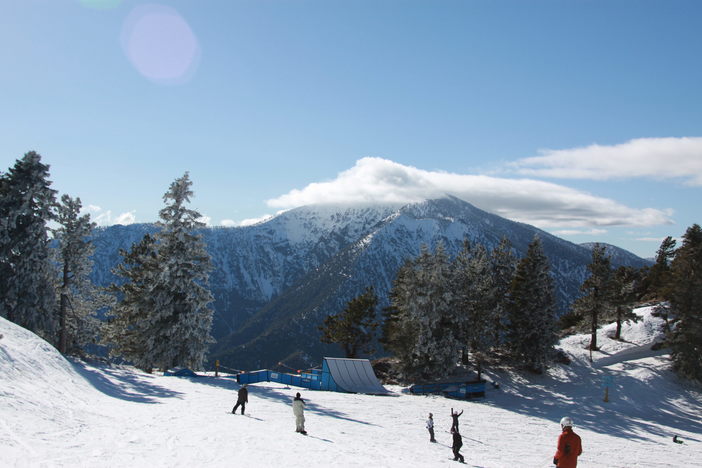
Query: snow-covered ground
55 412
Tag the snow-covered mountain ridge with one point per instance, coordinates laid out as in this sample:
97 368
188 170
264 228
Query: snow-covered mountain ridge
275 281
66 413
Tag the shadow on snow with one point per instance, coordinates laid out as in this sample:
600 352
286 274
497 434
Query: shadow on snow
125 385
636 409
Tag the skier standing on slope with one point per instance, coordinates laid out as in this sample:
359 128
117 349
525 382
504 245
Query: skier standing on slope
242 399
569 446
457 444
298 406
454 416
430 427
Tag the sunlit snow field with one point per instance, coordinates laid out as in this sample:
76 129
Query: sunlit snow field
56 412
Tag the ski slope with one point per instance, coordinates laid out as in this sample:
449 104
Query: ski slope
60 413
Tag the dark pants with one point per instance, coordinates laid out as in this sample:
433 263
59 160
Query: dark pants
243 405
456 454
431 434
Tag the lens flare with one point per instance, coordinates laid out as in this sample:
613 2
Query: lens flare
160 44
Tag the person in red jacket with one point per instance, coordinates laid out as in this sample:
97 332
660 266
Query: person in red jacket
569 446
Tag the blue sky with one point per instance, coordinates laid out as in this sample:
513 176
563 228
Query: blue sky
581 117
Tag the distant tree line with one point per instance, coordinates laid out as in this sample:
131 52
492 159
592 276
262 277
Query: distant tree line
484 304
446 310
158 314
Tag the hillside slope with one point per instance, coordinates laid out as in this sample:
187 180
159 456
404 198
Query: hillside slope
62 413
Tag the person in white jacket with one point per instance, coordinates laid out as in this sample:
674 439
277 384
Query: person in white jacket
430 427
299 412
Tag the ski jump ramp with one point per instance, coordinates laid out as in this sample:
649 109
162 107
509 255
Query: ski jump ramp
336 375
354 375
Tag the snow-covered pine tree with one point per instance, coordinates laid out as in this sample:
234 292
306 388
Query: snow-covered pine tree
423 322
79 299
685 296
462 283
128 332
181 319
436 350
598 291
474 301
26 274
398 332
532 310
504 264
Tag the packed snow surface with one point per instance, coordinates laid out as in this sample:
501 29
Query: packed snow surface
56 412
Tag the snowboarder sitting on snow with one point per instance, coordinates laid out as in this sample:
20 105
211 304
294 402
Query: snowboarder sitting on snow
298 406
569 447
242 399
454 424
430 427
457 444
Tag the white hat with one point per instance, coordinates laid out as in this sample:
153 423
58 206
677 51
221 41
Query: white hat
566 421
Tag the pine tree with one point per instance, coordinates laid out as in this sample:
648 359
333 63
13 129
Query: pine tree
531 310
474 301
624 294
658 279
79 299
436 350
182 319
398 332
658 275
684 292
504 264
598 289
162 318
353 328
423 331
126 331
26 274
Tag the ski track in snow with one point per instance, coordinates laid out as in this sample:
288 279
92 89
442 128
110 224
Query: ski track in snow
58 413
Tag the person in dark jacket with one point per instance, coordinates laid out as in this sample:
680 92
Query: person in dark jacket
242 399
457 444
569 446
454 416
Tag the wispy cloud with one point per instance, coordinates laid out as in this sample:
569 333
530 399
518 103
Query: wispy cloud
654 158
543 204
104 218
580 232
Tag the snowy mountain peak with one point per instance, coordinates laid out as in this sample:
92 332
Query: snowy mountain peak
275 282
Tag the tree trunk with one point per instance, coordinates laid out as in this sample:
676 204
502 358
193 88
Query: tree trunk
63 310
618 334
593 330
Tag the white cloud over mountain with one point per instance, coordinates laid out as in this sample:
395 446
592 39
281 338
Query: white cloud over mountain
654 158
543 204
